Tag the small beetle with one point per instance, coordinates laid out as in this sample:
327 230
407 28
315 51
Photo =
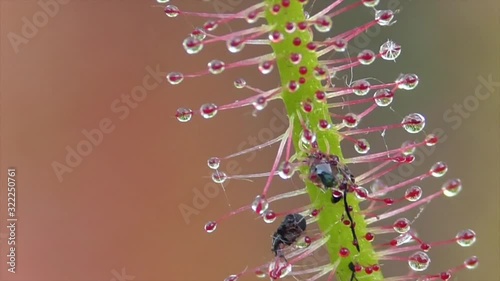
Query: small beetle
289 230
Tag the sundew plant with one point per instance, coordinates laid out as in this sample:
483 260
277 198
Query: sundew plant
361 222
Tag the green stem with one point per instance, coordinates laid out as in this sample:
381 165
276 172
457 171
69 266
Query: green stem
330 216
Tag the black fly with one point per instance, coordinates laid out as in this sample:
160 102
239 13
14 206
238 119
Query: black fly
288 232
323 169
328 172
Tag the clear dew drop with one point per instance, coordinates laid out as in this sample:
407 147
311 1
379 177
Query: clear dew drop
210 226
340 45
208 110
275 10
362 146
235 45
252 16
213 163
210 25
307 107
232 277
384 17
471 263
383 97
260 274
240 83
409 159
370 3
162 1
269 216
413 193
175 78
390 50
466 238
366 57
361 193
184 114
219 177
323 24
260 205
192 45
419 261
276 36
199 34
403 239
431 140
260 103
413 123
321 72
266 67
350 120
408 148
439 169
216 66
324 125
293 86
171 11
378 186
401 225
361 87
307 136
445 275
295 58
407 81
303 243
452 187
290 27
286 170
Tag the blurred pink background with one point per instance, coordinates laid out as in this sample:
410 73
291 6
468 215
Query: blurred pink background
117 211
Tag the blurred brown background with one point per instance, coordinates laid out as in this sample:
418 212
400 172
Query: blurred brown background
117 211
